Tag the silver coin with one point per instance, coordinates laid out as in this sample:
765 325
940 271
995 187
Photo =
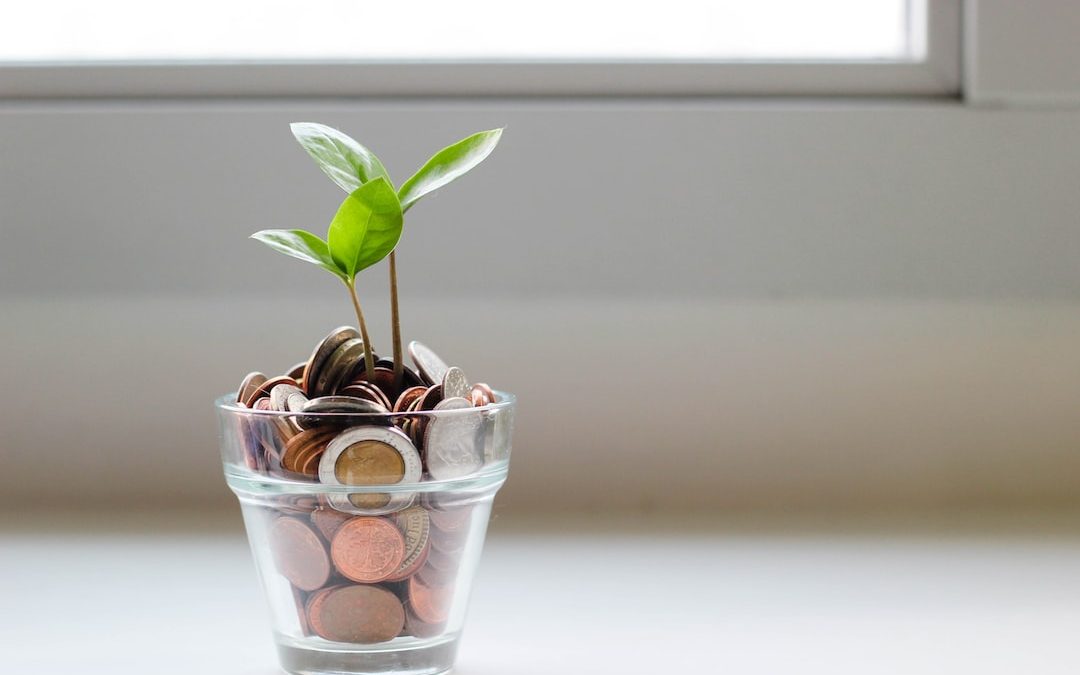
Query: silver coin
453 443
455 384
281 394
343 404
431 367
391 436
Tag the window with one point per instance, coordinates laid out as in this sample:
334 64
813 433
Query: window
252 47
556 29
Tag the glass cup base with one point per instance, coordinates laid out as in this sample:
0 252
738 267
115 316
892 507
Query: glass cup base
422 657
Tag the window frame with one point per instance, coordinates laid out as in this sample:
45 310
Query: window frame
938 75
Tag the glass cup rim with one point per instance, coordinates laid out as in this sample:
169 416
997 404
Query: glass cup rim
505 401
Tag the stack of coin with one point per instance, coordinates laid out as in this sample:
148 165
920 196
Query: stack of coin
364 566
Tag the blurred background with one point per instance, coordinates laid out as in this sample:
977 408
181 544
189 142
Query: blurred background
747 262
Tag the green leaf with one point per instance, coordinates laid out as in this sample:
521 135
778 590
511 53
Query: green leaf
447 164
345 161
300 244
366 227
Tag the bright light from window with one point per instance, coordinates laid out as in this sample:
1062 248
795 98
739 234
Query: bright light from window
211 30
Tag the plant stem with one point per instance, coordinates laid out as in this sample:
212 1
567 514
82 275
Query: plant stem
395 321
369 359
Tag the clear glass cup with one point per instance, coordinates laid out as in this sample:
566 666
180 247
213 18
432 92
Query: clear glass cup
374 577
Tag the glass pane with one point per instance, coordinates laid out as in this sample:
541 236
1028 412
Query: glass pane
202 30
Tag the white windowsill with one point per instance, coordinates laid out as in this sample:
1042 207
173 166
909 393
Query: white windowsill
987 594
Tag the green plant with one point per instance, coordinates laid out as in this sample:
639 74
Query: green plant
368 224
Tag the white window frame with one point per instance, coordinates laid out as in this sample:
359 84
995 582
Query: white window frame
938 75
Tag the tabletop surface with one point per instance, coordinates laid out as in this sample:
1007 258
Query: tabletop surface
984 594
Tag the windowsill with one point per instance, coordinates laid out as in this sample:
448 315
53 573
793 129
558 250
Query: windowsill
987 594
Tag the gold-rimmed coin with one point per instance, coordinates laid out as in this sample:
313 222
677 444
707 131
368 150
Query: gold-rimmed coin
322 352
416 528
370 455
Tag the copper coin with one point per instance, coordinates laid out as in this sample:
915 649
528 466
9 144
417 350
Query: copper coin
482 395
383 379
299 554
322 352
407 397
251 382
421 629
302 446
309 465
301 611
297 372
328 521
431 367
367 549
313 605
431 398
265 388
361 389
443 561
436 577
297 504
449 543
450 519
416 528
358 615
430 603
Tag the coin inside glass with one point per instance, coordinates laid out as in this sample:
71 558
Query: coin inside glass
369 462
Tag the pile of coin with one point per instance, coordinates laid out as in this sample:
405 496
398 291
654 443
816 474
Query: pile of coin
323 440
367 579
367 566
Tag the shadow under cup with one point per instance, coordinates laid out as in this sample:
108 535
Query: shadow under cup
366 559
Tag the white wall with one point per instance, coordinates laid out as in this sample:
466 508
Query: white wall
738 304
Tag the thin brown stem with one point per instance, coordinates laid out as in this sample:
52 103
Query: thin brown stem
395 321
369 358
